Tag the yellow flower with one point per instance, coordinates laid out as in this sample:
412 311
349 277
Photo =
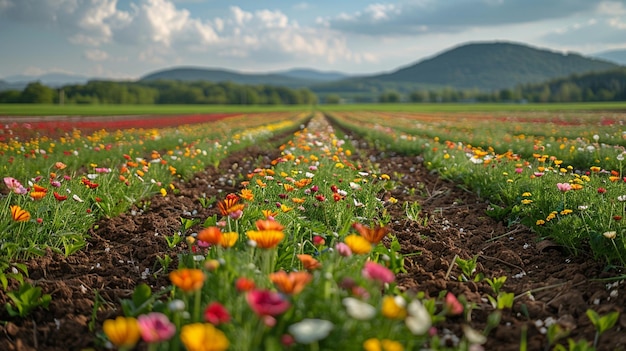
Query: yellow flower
163 192
392 307
247 194
187 279
540 222
566 212
285 208
122 331
358 244
374 344
527 194
385 176
203 337
268 235
527 201
229 239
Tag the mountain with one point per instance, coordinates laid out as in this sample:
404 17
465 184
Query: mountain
49 79
311 74
485 66
618 56
188 74
495 66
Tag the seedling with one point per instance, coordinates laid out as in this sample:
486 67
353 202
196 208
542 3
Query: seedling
26 299
173 240
496 284
601 324
468 269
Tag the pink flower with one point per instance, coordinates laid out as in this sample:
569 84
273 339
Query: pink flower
155 327
375 271
216 313
343 249
14 185
267 303
453 306
563 187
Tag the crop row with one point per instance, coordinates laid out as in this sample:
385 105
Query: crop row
569 189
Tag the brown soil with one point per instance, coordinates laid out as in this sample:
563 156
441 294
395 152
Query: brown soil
550 284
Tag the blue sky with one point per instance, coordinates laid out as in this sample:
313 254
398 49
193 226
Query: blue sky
125 39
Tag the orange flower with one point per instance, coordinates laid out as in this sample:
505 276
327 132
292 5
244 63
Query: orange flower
229 239
298 200
373 235
247 194
60 165
268 235
303 182
19 215
266 224
260 183
211 235
37 195
291 283
230 204
309 262
288 187
39 188
187 279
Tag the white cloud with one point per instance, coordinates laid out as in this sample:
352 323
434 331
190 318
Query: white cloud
301 6
96 55
429 16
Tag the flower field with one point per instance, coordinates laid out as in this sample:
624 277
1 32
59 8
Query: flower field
278 231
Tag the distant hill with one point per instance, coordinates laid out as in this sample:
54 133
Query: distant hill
485 66
617 56
189 74
311 74
49 79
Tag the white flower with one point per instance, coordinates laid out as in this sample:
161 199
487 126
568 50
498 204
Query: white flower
610 235
418 319
621 198
358 309
309 175
473 336
310 330
354 186
620 157
76 198
596 137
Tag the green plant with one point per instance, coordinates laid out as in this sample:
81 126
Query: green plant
11 271
555 333
468 269
206 202
601 324
26 299
496 283
142 300
173 240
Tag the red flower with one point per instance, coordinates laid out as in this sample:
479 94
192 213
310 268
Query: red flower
601 190
244 284
617 218
216 313
59 197
267 303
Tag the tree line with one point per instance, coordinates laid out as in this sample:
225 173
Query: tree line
600 86
159 92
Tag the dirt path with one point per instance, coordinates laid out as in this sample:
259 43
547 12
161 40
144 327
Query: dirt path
124 251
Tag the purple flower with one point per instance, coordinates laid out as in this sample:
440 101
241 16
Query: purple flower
155 327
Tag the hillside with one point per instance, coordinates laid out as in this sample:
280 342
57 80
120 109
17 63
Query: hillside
618 56
495 66
190 74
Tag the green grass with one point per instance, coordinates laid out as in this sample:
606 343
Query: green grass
103 110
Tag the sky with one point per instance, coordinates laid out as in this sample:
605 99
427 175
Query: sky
127 39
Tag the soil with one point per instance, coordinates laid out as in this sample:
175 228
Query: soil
550 286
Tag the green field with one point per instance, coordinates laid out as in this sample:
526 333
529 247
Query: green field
101 110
